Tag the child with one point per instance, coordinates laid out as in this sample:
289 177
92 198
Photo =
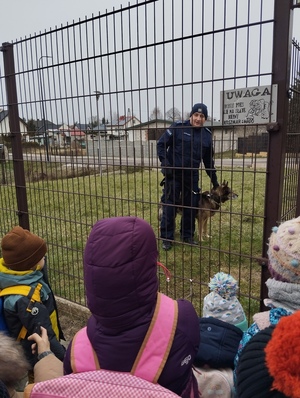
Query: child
222 303
284 283
222 324
21 266
13 364
269 365
128 315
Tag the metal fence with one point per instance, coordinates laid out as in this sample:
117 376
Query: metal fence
81 105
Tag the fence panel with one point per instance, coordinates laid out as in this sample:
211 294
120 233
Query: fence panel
92 99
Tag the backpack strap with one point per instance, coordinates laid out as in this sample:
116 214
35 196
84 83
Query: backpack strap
156 346
83 357
154 350
34 294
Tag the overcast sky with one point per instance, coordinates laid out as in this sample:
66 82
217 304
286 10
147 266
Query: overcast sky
25 18
20 18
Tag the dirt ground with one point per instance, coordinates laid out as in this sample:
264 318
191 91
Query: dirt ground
72 317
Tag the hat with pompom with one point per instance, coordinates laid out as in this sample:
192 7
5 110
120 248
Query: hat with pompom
21 249
222 303
284 251
269 365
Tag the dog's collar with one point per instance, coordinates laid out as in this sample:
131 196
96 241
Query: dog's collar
211 197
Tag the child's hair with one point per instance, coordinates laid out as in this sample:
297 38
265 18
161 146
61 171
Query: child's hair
13 363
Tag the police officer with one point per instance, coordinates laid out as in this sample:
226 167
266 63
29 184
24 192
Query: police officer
181 149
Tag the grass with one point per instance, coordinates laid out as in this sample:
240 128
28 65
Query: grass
65 202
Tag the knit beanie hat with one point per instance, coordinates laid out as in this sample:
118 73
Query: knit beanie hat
201 108
21 249
222 303
268 366
284 251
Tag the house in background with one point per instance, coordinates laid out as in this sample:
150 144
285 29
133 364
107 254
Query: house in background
83 127
99 132
73 137
228 137
44 128
4 124
147 131
121 127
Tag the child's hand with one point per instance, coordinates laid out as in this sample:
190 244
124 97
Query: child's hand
41 342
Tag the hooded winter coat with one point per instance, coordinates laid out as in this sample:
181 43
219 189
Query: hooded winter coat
120 275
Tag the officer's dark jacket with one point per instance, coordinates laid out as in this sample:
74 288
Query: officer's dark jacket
184 147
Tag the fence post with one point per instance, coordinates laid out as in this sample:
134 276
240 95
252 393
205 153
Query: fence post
277 132
15 134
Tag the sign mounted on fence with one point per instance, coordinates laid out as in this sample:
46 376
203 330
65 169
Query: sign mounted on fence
250 105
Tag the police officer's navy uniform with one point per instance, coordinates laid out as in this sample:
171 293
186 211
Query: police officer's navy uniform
181 149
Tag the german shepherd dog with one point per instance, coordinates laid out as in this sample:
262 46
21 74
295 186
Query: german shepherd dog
209 204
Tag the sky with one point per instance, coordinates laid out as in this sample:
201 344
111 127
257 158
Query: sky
21 18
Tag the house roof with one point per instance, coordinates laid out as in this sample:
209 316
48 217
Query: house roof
74 133
64 127
101 127
151 123
3 115
122 120
45 124
83 126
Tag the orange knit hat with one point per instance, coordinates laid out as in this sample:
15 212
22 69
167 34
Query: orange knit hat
283 356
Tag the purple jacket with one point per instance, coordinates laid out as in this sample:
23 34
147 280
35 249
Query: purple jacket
120 273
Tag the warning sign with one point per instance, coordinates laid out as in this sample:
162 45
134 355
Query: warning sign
250 105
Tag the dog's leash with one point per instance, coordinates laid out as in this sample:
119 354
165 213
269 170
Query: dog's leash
166 271
168 277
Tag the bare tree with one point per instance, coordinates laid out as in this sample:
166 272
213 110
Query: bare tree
94 121
156 114
173 114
